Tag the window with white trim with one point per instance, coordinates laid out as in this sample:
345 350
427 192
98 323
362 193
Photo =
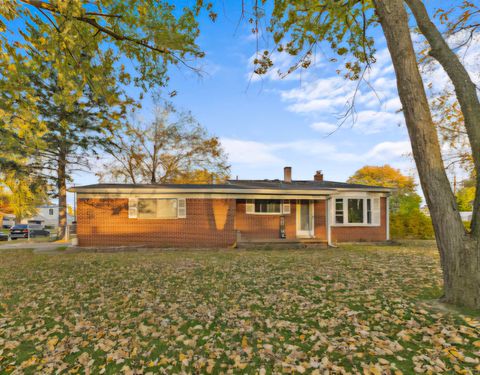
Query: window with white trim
267 206
339 211
157 208
357 211
369 211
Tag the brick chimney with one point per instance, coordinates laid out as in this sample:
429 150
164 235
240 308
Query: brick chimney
287 174
318 176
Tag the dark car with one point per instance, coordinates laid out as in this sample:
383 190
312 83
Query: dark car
27 231
3 236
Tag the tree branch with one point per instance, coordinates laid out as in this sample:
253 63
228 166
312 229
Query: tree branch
91 21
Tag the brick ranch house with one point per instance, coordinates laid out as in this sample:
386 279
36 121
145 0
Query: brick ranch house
223 215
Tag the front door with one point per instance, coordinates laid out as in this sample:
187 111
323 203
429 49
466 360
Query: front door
305 218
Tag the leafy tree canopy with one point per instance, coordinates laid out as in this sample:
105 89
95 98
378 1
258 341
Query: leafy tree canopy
26 194
147 34
404 198
383 176
466 194
298 28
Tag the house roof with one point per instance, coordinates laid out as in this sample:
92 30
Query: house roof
232 186
303 184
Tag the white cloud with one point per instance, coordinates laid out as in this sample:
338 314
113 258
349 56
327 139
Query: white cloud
327 105
375 100
307 147
257 154
389 150
370 122
249 152
468 54
392 105
324 127
329 87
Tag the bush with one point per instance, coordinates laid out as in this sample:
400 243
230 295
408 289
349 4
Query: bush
413 224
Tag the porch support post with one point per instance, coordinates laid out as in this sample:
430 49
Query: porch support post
329 221
387 216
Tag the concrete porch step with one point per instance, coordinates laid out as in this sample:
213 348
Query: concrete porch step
282 244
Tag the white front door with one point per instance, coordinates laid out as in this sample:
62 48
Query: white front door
305 226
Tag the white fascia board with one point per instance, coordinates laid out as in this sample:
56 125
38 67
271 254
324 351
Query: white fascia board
370 190
203 190
200 196
359 194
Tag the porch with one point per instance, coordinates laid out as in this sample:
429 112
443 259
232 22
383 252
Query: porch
281 221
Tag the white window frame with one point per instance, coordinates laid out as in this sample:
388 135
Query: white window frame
375 219
181 209
285 207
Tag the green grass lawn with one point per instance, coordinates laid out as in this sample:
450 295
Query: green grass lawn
362 309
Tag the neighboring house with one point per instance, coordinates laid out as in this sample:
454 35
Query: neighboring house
221 215
47 216
466 215
8 220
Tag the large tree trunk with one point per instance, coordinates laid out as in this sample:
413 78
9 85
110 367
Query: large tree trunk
62 194
465 90
458 253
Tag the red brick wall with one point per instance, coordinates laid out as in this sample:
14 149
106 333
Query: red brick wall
105 222
265 227
320 220
209 223
364 233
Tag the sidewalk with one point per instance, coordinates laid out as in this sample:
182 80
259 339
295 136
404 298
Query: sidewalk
37 247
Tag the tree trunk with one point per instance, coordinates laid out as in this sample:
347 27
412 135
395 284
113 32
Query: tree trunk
458 253
465 91
62 194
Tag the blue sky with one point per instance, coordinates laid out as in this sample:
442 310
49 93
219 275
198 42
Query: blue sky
266 123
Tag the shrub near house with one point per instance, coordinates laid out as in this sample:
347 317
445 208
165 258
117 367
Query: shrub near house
414 225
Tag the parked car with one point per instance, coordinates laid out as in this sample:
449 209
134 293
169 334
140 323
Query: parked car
3 236
27 231
7 224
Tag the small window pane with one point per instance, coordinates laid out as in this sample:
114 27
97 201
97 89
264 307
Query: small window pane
355 211
369 211
268 206
339 211
166 208
147 208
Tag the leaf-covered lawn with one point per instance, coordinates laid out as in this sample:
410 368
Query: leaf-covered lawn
346 310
